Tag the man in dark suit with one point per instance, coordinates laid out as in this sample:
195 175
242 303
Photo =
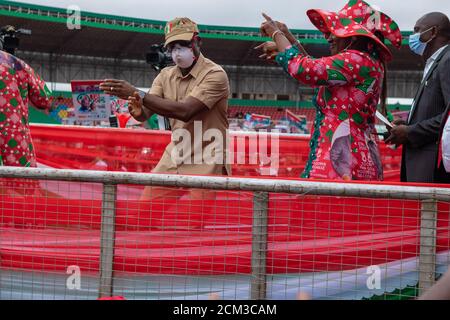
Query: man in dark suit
419 135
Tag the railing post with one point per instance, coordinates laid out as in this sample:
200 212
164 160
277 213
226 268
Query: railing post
427 257
107 240
259 246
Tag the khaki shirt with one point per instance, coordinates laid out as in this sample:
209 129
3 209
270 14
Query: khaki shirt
207 82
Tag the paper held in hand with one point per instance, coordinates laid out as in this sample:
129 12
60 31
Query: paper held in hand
384 119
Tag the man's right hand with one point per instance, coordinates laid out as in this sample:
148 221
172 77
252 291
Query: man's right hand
135 105
398 135
397 122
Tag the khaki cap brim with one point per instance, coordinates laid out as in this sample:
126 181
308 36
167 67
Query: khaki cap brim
179 37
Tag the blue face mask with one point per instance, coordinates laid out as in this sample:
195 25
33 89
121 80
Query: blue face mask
416 45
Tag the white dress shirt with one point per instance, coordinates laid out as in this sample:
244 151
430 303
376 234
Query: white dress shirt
445 145
431 60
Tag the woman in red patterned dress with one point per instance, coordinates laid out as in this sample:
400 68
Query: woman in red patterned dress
19 84
349 86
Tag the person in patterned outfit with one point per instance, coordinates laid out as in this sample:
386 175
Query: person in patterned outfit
349 84
19 85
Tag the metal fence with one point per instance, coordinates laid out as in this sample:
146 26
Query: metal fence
70 234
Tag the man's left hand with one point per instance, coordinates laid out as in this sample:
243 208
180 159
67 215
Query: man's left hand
399 135
135 105
119 88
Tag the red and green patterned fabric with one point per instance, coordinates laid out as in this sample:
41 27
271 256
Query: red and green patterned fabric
358 18
373 20
343 144
19 84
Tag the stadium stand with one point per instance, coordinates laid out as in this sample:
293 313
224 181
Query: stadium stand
61 55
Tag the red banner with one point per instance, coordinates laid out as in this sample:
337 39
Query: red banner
137 150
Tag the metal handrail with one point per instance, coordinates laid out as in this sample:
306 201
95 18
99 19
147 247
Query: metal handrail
232 183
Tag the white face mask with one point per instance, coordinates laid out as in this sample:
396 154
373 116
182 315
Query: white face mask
183 57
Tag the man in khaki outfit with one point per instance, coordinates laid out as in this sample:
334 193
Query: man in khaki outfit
193 94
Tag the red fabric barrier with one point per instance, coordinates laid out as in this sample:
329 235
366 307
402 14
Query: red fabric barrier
306 233
140 150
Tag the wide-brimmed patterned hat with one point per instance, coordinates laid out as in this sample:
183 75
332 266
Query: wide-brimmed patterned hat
358 18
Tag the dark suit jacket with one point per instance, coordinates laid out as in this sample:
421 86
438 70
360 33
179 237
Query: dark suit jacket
420 152
441 176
